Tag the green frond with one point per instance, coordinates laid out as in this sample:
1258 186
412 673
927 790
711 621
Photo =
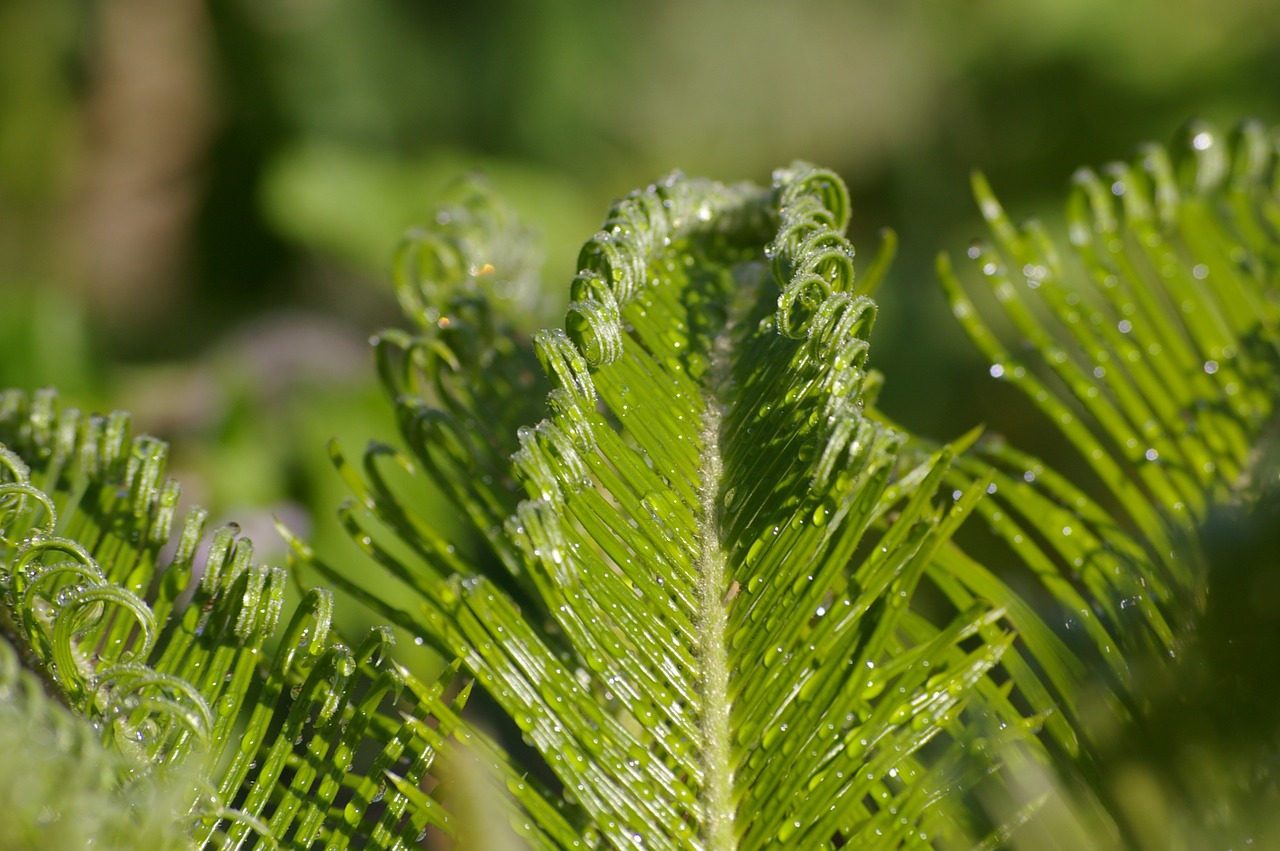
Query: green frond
1152 347
281 734
703 612
1155 355
719 594
723 600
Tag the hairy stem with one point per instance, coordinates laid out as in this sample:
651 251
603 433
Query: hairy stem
718 810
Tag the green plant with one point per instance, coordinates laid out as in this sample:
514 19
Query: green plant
724 601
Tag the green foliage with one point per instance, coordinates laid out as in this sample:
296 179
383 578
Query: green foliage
1155 355
64 788
713 470
713 596
165 652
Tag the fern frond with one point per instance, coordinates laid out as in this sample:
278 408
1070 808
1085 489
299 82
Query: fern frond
310 744
1156 357
703 614
718 592
1153 348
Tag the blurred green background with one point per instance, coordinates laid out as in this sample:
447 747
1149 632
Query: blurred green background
198 201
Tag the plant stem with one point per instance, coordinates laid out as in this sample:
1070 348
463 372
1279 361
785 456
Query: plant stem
718 809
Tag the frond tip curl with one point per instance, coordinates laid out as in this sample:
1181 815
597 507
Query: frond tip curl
708 564
263 743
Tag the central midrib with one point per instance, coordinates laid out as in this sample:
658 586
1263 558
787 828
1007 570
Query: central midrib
717 795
